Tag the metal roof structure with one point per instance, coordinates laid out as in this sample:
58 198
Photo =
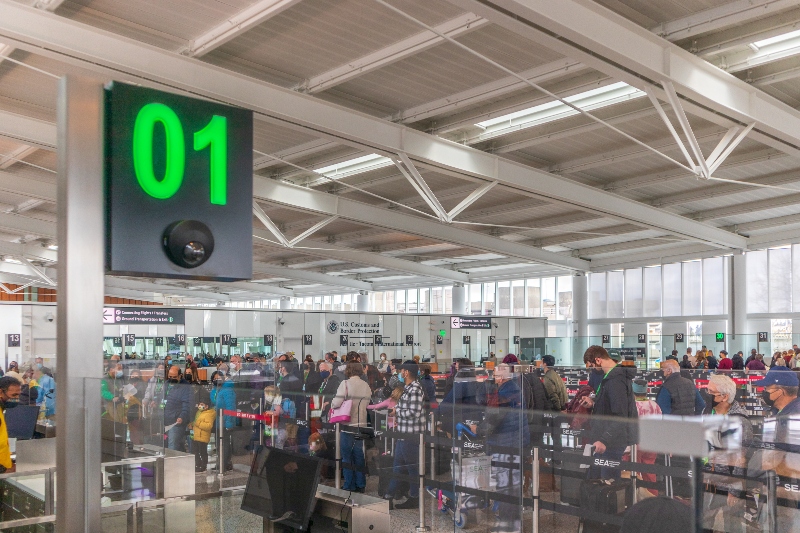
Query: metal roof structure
405 142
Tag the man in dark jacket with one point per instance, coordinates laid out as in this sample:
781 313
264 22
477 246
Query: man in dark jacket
535 402
614 398
678 395
737 362
177 410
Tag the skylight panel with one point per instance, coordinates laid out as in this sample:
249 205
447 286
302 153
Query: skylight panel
355 166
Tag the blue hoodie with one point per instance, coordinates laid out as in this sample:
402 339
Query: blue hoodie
225 398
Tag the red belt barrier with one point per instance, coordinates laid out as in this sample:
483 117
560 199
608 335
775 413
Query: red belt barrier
248 416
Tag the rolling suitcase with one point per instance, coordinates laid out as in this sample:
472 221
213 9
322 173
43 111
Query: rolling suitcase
611 499
573 474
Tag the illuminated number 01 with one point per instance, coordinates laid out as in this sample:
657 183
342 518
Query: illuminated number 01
214 135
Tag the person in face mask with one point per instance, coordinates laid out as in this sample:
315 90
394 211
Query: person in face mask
780 391
9 392
111 392
274 429
177 409
202 426
383 365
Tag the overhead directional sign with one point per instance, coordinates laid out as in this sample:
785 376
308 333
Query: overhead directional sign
143 315
179 186
470 322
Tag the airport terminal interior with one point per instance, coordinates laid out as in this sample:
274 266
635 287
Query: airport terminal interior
375 266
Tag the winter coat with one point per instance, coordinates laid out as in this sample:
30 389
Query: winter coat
179 403
203 424
556 390
225 398
429 388
615 399
510 423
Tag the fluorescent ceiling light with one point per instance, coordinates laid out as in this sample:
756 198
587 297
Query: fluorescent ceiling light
355 166
556 110
777 39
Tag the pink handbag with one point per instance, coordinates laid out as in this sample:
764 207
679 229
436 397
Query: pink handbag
341 414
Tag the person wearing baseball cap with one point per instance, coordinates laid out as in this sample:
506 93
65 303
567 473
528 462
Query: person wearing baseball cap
780 391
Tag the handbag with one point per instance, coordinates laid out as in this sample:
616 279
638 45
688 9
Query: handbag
341 414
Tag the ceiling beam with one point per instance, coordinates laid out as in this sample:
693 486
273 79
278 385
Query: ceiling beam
17 155
28 130
231 28
748 207
313 277
31 188
713 19
461 25
79 44
661 256
319 202
623 50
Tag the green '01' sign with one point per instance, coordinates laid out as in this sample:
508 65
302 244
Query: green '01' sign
178 186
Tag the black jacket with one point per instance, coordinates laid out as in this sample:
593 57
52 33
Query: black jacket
616 400
178 403
737 362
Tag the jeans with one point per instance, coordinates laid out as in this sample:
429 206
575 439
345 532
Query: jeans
605 471
227 449
200 450
352 454
406 463
176 438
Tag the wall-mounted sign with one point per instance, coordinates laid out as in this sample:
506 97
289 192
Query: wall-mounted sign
130 339
492 339
720 337
158 341
606 339
763 336
466 339
198 341
516 339
679 337
209 340
225 339
269 340
234 341
627 353
439 339
378 340
116 342
179 186
343 340
409 340
143 315
180 339
13 340
470 322
307 340
642 338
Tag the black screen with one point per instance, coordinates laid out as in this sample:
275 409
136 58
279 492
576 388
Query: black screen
21 421
282 487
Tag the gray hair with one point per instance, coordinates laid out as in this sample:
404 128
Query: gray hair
725 385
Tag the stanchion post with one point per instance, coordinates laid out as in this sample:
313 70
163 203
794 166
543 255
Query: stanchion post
697 504
422 527
535 489
221 444
433 445
338 457
634 478
263 422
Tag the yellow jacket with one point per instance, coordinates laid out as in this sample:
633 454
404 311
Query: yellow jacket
5 450
203 423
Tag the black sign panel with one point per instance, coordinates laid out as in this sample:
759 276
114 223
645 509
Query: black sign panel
720 337
378 340
642 338
763 336
439 339
269 340
225 339
174 159
198 341
234 341
143 315
130 339
13 340
343 340
116 342
409 340
180 339
307 340
627 353
492 339
159 341
209 340
606 339
470 322
679 337
516 339
466 339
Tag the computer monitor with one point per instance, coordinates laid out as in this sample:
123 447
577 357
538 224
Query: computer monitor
21 421
282 487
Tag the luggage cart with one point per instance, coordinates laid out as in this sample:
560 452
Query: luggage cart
471 468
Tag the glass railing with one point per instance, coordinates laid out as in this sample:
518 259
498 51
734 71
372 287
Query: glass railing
488 453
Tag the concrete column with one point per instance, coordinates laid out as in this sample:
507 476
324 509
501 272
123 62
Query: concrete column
738 325
580 305
286 303
459 299
362 302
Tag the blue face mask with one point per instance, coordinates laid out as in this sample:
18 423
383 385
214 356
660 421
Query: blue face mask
39 366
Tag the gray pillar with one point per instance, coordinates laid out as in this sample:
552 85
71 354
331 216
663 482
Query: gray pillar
80 303
362 302
580 305
738 324
286 303
459 299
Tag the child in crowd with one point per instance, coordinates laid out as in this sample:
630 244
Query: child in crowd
202 426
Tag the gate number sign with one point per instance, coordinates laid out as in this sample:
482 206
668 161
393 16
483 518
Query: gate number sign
13 340
307 340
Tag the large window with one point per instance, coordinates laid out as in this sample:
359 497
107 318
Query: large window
615 292
633 292
652 291
672 289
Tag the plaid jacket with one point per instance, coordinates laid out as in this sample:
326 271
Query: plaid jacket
410 416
